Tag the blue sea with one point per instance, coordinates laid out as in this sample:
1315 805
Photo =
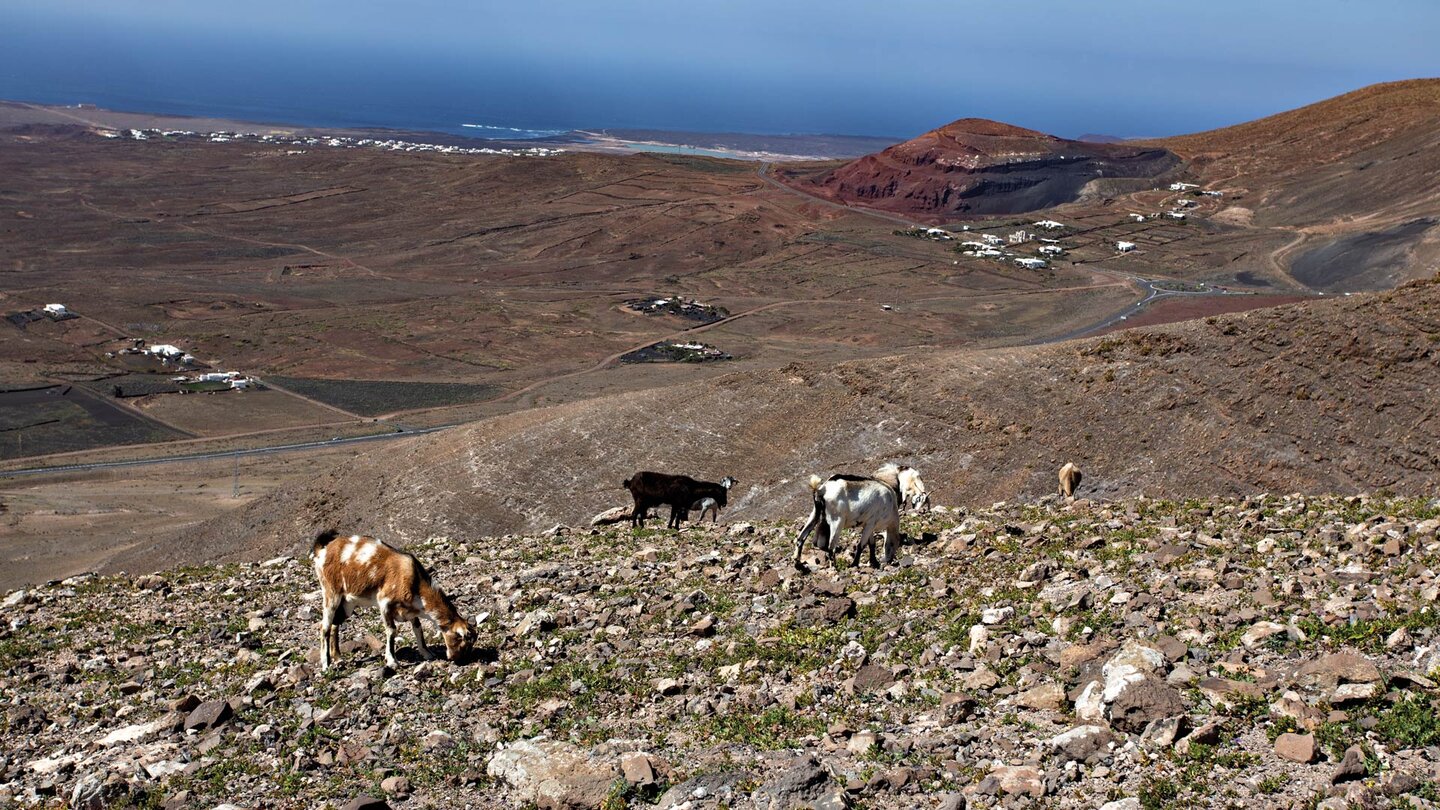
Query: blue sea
500 69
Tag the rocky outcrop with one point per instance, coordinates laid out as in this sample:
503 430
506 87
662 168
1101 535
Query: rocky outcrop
975 167
1112 671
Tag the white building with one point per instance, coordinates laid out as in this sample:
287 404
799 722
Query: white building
1030 264
166 351
1019 237
1138 217
937 233
56 311
1175 214
991 239
1052 250
989 253
1183 186
1049 224
1213 193
1124 247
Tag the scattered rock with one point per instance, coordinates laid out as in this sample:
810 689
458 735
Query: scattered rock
208 715
554 775
1140 703
1351 767
1296 747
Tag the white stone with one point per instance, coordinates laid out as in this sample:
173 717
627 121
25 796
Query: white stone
979 637
996 615
1089 706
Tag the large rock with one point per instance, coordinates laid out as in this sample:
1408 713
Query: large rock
1132 664
1016 780
1296 747
1143 702
1049 696
209 714
552 774
1082 742
365 803
804 784
1329 671
1351 767
873 678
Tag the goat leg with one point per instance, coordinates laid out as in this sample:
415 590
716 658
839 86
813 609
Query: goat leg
420 639
804 535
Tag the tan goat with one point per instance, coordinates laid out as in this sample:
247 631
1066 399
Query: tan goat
356 571
1069 480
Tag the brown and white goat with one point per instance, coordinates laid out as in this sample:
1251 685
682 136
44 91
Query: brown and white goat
355 571
1069 480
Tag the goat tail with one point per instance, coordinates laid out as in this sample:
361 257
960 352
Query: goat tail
815 482
322 540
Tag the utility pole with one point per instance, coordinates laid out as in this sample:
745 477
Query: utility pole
235 483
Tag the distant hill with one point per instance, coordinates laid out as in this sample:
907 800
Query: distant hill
976 166
1372 153
1330 396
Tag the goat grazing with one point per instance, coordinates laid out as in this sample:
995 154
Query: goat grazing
844 501
679 492
907 485
707 505
1069 480
356 571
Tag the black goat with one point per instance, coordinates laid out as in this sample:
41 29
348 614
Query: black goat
679 492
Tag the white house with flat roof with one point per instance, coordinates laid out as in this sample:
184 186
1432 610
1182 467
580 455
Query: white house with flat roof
1049 224
1124 247
1030 264
56 311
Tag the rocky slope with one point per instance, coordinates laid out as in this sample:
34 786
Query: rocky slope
974 166
1332 396
1266 652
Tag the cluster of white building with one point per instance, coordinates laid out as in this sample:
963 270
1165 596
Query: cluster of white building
343 142
990 246
236 380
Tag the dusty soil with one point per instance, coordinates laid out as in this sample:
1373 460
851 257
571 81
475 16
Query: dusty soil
56 526
1324 396
1170 310
224 413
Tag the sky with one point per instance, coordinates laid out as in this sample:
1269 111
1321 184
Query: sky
1130 68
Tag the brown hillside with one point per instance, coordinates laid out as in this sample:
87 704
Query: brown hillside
976 166
1373 151
1333 396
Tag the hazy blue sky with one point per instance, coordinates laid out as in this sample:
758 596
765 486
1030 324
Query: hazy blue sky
1124 67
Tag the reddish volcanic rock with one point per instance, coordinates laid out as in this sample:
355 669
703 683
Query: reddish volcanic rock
975 166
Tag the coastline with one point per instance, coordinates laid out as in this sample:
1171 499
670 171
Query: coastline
726 146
